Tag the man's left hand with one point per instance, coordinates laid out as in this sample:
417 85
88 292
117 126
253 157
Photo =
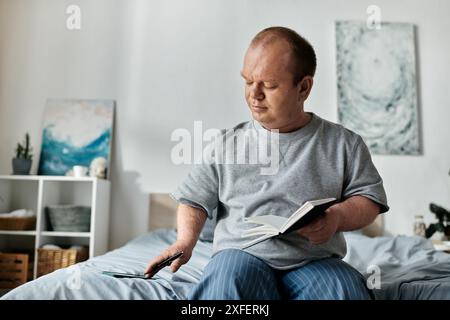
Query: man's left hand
323 228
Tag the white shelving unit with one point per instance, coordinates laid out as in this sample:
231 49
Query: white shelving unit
38 192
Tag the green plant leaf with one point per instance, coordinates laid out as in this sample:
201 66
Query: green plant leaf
430 230
441 213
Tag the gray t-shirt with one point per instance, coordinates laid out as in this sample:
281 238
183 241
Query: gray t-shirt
320 160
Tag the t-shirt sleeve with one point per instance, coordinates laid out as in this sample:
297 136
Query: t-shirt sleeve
362 178
199 189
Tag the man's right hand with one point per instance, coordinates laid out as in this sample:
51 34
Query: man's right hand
190 221
179 245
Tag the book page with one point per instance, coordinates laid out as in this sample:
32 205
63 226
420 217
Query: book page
303 210
259 231
257 240
297 215
321 201
276 222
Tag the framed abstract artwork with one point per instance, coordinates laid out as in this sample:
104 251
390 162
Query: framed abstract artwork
75 132
376 83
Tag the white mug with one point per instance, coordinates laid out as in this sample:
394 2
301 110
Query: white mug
80 171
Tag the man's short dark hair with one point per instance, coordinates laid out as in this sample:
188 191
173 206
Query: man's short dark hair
302 51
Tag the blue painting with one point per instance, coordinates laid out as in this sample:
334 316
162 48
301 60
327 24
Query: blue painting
376 79
74 133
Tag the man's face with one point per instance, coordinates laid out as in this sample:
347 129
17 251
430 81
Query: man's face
273 98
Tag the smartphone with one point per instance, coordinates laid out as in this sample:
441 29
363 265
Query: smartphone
164 263
155 270
125 275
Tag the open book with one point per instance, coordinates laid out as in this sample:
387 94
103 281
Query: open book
272 226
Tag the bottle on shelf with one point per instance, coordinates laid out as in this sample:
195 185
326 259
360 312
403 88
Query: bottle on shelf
419 226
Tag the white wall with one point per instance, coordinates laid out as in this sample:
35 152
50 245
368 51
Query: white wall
168 63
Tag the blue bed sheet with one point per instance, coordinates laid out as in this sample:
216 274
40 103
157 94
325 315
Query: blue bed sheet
85 281
409 268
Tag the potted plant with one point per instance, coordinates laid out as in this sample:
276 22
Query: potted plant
443 224
24 157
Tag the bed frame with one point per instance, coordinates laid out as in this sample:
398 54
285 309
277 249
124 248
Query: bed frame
163 215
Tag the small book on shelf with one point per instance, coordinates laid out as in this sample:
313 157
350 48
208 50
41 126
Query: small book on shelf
273 226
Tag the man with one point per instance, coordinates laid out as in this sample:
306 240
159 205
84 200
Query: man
318 159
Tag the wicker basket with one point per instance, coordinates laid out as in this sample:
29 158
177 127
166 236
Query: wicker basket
13 270
50 260
17 223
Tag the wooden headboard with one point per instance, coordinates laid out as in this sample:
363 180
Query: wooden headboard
162 214
376 228
162 211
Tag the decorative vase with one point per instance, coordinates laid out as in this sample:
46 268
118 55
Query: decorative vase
21 166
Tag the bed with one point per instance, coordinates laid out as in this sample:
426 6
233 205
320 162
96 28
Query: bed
408 267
